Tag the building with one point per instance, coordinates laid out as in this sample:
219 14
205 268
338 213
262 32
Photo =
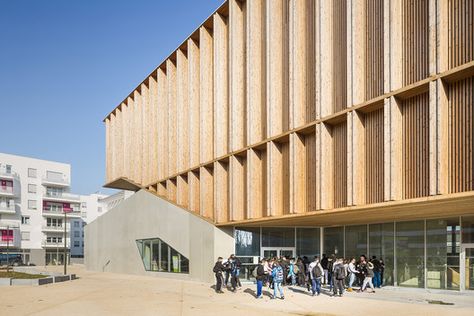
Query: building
33 195
301 128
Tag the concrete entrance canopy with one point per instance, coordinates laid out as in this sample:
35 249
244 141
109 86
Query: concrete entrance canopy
110 241
455 204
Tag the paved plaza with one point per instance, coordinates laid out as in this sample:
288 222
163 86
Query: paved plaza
96 293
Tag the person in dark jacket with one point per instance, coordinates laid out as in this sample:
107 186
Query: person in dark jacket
301 272
377 274
324 264
218 270
260 277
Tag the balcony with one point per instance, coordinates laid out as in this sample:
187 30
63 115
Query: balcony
55 229
8 174
55 245
61 197
55 181
7 208
6 191
16 234
58 212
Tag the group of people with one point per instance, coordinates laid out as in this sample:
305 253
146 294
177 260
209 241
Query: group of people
338 274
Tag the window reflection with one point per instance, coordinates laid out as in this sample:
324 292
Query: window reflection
159 256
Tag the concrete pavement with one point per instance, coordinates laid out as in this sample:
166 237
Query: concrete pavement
97 293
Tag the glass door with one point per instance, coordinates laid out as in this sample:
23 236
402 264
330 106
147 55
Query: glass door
467 267
288 252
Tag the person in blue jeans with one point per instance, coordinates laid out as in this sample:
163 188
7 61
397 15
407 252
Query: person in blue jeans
316 273
278 276
260 276
377 272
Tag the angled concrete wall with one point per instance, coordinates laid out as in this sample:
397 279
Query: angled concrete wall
110 240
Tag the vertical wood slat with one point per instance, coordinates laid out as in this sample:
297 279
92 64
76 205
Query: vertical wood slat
339 134
461 156
461 32
339 58
206 98
416 146
375 49
374 160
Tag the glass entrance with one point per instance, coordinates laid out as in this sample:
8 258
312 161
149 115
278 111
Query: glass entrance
467 267
288 252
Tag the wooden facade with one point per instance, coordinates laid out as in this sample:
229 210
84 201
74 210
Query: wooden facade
277 109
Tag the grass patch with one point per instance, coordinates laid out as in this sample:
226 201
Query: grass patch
20 275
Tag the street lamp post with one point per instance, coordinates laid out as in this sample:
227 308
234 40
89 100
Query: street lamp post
65 245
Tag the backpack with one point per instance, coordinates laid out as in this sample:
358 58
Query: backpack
317 273
278 274
254 272
340 272
296 270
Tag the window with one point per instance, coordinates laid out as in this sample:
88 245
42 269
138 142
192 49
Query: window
8 169
53 191
410 253
31 188
83 224
54 176
84 205
25 220
31 173
99 209
25 235
76 244
76 224
82 244
54 240
159 256
32 204
54 222
77 234
82 234
247 241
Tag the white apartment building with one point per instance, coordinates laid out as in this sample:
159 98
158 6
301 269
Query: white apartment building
34 194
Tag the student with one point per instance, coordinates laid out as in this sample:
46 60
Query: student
368 277
260 277
331 261
382 269
227 265
291 271
233 275
301 272
316 273
351 269
218 270
338 277
324 264
377 274
237 275
362 268
277 274
268 272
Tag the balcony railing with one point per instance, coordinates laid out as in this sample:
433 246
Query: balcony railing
4 173
53 228
62 196
60 211
6 190
55 244
10 208
56 181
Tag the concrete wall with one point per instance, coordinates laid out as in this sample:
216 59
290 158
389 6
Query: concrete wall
110 239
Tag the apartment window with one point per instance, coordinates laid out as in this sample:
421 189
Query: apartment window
25 220
25 235
31 173
77 234
54 176
84 214
82 234
77 244
54 222
83 224
82 244
32 204
76 224
54 240
99 209
31 188
52 191
8 169
84 205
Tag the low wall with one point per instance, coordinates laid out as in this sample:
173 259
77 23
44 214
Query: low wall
110 240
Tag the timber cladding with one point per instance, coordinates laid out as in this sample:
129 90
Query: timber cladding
282 108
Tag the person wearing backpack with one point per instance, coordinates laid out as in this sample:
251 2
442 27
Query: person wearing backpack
218 270
278 276
368 278
351 269
260 277
316 273
339 275
301 272
331 261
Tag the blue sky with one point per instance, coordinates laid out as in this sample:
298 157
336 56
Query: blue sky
64 65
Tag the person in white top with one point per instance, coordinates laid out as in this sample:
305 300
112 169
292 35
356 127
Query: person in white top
315 273
351 269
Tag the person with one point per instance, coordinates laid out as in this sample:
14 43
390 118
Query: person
268 272
277 274
362 268
291 272
301 272
382 269
331 261
233 275
227 265
218 270
368 277
237 275
338 277
324 264
316 273
260 277
377 277
286 267
351 269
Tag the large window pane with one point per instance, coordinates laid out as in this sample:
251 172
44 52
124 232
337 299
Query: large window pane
381 245
334 241
442 250
164 259
247 241
467 229
356 241
410 253
155 255
147 254
278 237
159 256
307 242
